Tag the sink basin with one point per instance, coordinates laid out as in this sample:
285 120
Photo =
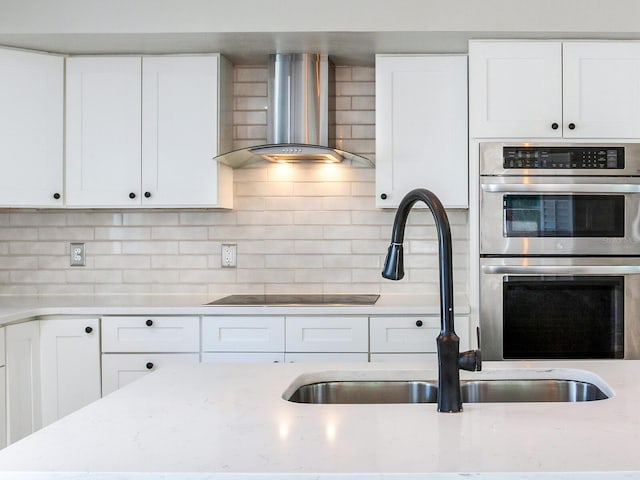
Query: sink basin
473 391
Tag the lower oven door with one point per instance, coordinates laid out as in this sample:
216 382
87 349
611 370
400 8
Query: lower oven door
560 308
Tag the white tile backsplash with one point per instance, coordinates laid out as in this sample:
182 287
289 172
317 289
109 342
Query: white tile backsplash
299 229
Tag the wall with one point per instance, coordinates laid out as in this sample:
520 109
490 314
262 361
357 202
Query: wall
298 229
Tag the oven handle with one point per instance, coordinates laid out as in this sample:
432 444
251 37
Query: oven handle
561 187
562 269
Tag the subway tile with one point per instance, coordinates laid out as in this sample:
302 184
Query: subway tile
244 261
94 219
265 218
295 232
208 218
36 248
344 103
351 261
18 263
266 276
208 276
311 275
293 261
266 247
250 118
179 288
150 247
251 74
151 276
363 74
355 117
150 218
363 103
251 103
265 189
181 232
250 131
178 261
363 132
118 262
37 276
250 89
322 218
58 262
198 247
124 289
37 220
343 74
322 246
22 234
360 146
123 233
319 189
71 234
351 89
348 232
65 289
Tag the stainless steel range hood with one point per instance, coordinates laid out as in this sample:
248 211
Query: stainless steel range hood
298 116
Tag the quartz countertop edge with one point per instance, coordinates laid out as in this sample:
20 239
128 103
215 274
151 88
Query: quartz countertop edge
230 421
18 308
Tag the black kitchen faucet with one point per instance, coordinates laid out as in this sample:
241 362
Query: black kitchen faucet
450 360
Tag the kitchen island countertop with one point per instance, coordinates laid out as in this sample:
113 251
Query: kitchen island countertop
212 421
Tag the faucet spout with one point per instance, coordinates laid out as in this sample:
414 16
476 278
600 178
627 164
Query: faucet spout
449 358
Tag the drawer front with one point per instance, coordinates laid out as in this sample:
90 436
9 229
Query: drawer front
429 359
243 357
2 354
150 334
120 369
327 334
306 357
414 334
243 334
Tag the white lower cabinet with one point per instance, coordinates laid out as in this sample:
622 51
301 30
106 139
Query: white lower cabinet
242 357
133 346
120 369
410 338
332 334
243 334
302 357
69 365
23 380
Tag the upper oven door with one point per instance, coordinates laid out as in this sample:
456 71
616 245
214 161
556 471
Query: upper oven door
564 159
559 216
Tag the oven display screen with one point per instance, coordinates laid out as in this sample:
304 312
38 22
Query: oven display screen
563 215
607 157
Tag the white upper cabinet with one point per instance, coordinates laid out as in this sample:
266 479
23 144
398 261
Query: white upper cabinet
143 132
421 128
544 89
103 131
31 129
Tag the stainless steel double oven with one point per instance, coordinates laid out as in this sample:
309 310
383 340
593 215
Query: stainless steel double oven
560 251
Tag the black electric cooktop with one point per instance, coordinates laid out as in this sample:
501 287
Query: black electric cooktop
301 299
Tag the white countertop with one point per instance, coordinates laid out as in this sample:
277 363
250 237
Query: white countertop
230 421
18 308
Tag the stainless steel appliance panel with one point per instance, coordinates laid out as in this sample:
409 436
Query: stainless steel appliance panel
494 272
606 211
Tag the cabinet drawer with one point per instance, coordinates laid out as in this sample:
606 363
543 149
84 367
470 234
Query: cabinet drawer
415 334
150 334
419 358
243 357
243 334
326 357
327 334
121 369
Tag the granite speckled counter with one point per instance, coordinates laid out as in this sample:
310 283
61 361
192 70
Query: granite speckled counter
223 421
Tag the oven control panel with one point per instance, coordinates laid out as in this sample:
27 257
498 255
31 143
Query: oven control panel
564 157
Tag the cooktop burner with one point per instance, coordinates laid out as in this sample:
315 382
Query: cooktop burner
301 299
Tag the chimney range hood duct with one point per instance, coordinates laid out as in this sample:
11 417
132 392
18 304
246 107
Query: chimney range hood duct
298 116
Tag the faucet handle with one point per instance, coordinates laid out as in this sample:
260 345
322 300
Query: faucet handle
471 360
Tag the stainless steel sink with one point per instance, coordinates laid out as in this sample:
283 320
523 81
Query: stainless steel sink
473 391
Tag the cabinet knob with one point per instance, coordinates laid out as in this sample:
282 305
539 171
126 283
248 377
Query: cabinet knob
147 194
56 196
419 323
149 322
149 365
132 195
554 126
383 196
572 126
88 329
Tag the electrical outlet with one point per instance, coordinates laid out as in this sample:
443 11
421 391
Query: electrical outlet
77 252
229 254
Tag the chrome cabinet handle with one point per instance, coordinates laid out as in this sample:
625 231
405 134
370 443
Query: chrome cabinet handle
562 269
561 187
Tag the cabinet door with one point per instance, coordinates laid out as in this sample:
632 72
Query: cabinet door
421 128
601 89
23 380
327 334
70 365
243 334
180 131
103 131
515 89
120 369
3 408
150 334
31 96
413 334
